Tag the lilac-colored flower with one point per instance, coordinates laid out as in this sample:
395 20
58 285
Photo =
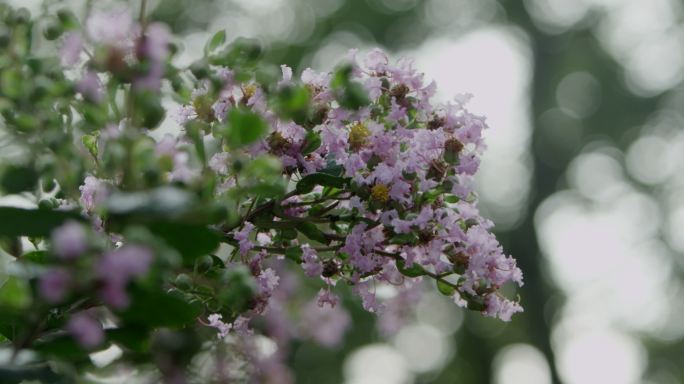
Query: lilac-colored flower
368 299
166 146
326 297
117 268
373 86
468 164
69 240
316 79
216 322
181 169
499 307
90 87
220 108
242 237
219 163
325 325
287 75
376 60
110 27
184 114
71 49
310 263
397 112
155 43
86 330
93 192
54 285
268 281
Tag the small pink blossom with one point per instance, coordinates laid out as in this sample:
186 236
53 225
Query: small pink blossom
69 240
86 330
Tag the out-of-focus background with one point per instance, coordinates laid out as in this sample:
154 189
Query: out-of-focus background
584 176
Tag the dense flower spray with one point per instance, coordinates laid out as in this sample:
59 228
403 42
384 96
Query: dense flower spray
274 185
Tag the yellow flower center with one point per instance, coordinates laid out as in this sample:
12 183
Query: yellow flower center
358 135
380 193
249 91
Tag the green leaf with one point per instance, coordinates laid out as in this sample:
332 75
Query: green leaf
404 238
445 288
243 127
148 112
311 231
238 290
266 190
191 241
414 271
43 373
476 304
17 179
294 254
37 257
90 142
333 169
12 245
293 103
311 142
240 53
216 40
62 347
32 222
265 221
12 322
307 183
353 97
15 293
288 233
131 337
68 20
341 76
159 309
264 167
164 202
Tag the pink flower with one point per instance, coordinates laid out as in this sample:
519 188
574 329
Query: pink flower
376 60
219 163
54 284
501 308
117 268
310 263
216 322
166 146
368 299
112 28
86 330
69 240
287 75
325 325
90 87
268 281
242 237
70 52
93 193
325 297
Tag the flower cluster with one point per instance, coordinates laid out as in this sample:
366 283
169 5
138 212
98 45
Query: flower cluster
275 191
393 182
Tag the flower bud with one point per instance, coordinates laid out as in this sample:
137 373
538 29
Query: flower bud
330 268
452 148
437 170
399 92
436 123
